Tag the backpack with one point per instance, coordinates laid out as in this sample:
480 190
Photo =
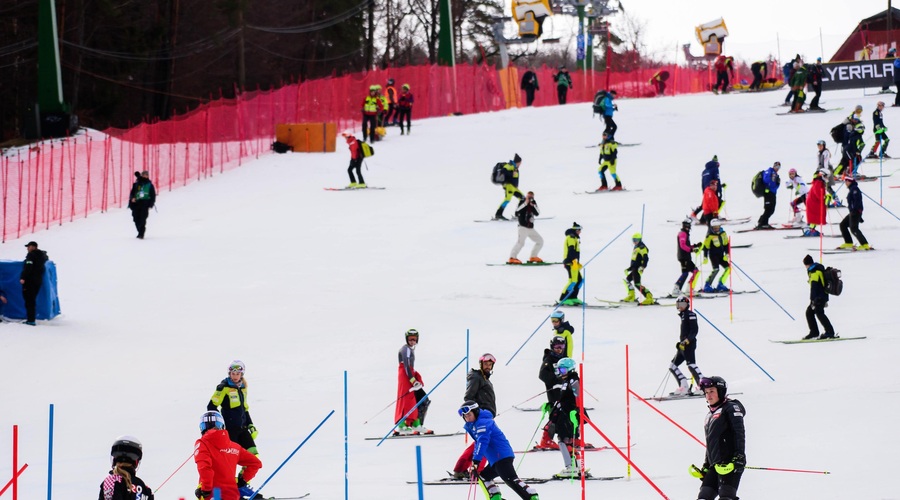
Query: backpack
757 185
143 192
498 175
837 133
280 147
366 148
599 97
833 283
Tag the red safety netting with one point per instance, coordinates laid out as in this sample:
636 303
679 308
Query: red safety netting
58 181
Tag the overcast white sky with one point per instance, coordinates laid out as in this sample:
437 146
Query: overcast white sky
755 27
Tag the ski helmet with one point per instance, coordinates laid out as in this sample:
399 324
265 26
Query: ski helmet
126 449
405 86
372 88
557 314
486 357
792 172
820 143
636 237
717 382
390 81
468 406
412 332
858 108
687 223
682 303
237 366
860 127
715 223
557 341
776 165
211 420
564 366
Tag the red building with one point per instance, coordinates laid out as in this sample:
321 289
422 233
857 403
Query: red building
872 38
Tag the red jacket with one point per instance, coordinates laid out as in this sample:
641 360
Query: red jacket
710 201
815 202
353 144
217 459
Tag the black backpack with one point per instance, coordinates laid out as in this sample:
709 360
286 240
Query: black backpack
498 175
281 148
757 185
837 133
833 283
598 102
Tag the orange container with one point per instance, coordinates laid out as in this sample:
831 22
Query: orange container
307 137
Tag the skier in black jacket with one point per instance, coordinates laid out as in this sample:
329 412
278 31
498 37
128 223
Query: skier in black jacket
141 200
687 347
122 482
818 300
850 223
725 460
814 77
31 279
547 374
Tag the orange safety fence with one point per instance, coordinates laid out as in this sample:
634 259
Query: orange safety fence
58 181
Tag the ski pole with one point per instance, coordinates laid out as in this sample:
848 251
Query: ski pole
172 474
536 429
527 400
382 410
789 470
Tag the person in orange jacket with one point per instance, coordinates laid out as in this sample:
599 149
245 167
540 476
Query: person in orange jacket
711 202
217 457
391 94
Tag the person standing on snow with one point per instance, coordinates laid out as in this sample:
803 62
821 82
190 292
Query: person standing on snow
716 247
609 154
31 279
562 328
122 482
563 84
796 183
510 185
798 84
850 223
815 204
390 93
565 420
640 257
724 65
772 181
404 108
231 397
409 390
479 389
370 107
685 257
356 159
814 77
823 158
141 199
686 348
710 174
547 375
525 214
572 265
724 462
881 137
217 457
818 301
608 109
492 445
529 85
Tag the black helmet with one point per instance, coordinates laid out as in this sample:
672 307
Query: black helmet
682 303
687 223
390 81
717 382
412 332
468 406
126 449
557 341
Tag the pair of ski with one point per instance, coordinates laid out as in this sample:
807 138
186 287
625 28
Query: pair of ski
513 219
691 395
837 251
808 111
620 144
773 228
587 447
725 222
711 295
527 264
407 436
529 480
601 191
354 188
813 341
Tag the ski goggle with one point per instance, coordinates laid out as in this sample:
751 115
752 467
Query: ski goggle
487 357
236 369
562 370
465 409
706 383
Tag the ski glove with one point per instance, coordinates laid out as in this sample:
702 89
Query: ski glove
253 431
697 472
739 461
683 344
416 386
545 408
705 260
723 469
202 493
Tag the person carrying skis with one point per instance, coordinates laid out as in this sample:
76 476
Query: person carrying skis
404 108
122 482
881 137
640 257
562 328
572 264
356 159
815 204
685 257
609 154
409 390
510 185
547 374
479 389
772 181
717 247
563 84
850 223
491 444
230 398
608 109
796 183
565 421
217 457
818 301
525 214
686 348
724 462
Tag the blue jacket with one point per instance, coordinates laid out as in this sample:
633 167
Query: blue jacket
854 198
711 172
490 443
897 70
608 105
771 180
788 70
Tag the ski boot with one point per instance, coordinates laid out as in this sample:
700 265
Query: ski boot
871 156
722 288
864 247
603 188
845 246
571 302
629 297
536 260
648 299
684 389
708 288
676 291
826 335
513 260
499 214
811 336
810 232
546 443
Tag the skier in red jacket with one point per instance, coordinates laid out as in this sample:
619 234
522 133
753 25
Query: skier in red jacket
217 458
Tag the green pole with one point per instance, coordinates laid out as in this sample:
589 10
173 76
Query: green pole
50 96
446 55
